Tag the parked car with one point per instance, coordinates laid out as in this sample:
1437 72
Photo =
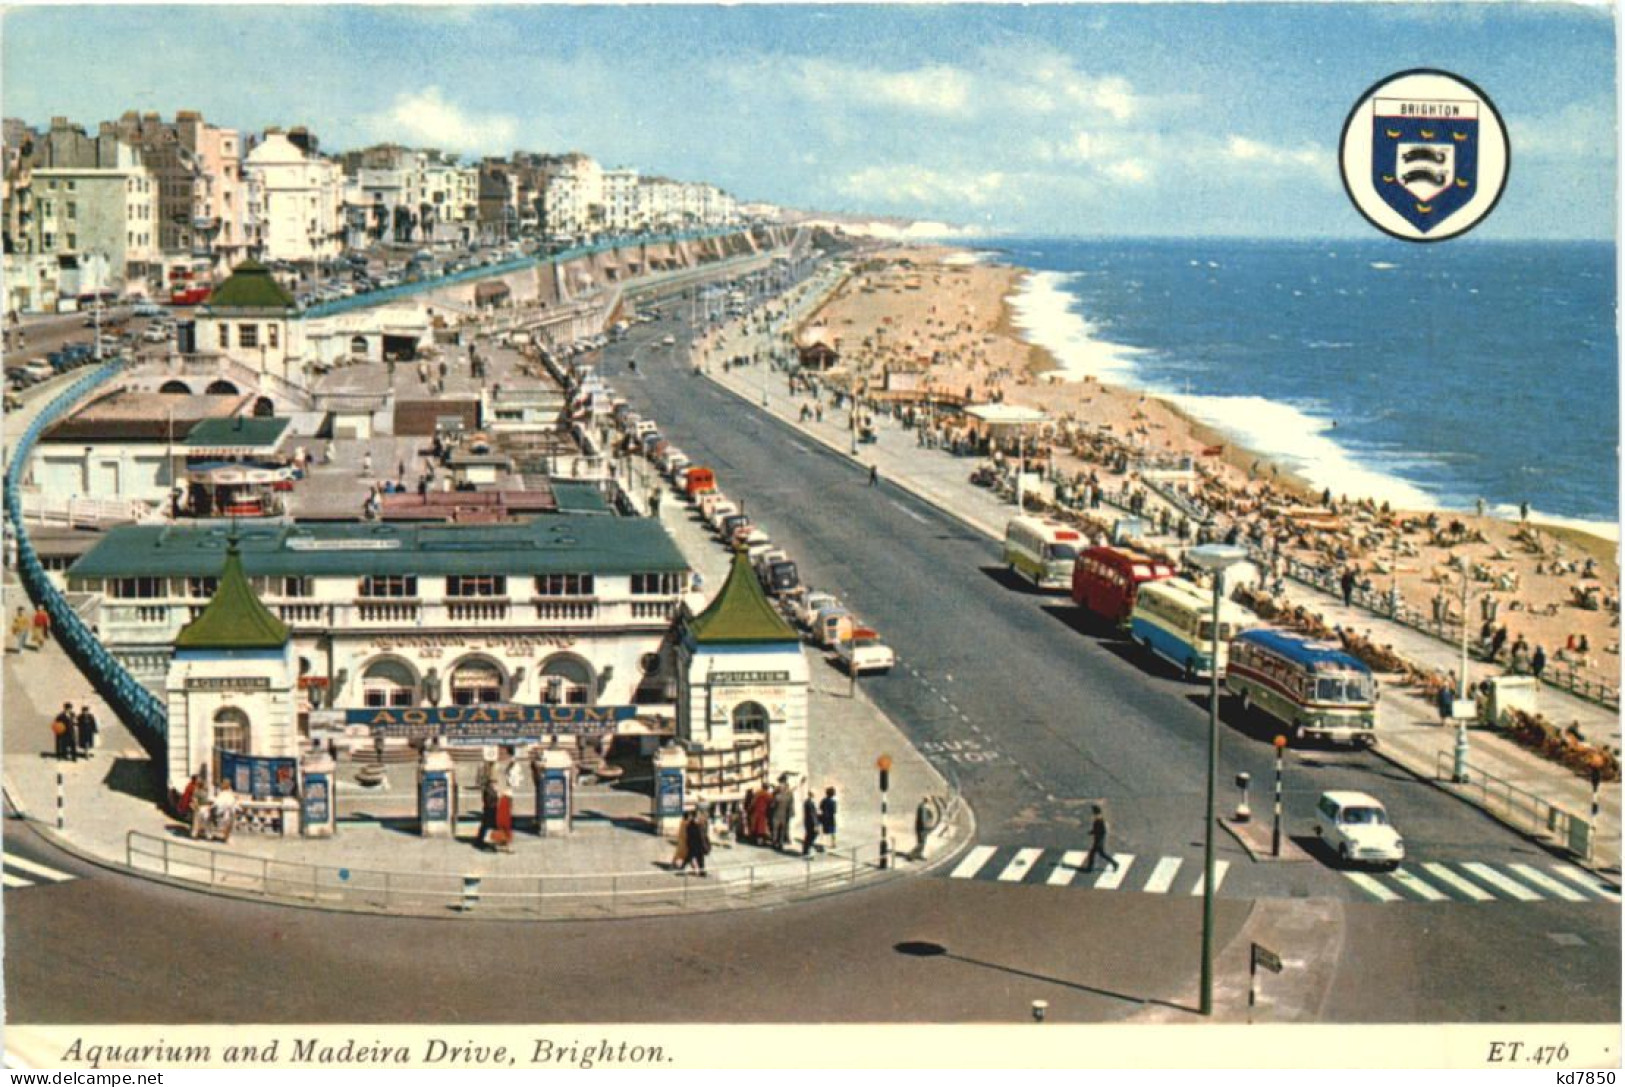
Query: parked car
781 578
1356 827
806 613
863 651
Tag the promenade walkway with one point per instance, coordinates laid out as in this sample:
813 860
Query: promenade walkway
1506 780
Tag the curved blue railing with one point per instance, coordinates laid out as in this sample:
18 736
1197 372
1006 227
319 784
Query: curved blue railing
136 706
518 264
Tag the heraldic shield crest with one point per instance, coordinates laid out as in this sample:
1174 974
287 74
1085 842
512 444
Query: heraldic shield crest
1424 155
1424 158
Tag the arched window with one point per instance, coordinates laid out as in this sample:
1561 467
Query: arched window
388 682
221 388
358 345
231 730
750 717
264 408
474 682
567 680
176 388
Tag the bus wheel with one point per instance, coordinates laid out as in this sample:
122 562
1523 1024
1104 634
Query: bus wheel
1298 734
1190 670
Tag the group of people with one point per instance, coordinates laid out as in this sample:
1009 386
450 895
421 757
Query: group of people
75 732
30 631
209 813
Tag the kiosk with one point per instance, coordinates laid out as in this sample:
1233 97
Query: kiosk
437 794
670 767
555 784
318 812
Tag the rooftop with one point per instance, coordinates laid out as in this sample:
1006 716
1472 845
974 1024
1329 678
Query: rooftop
245 432
250 286
138 415
234 617
741 614
549 544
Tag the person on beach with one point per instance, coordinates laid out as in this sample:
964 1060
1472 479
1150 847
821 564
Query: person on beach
1537 663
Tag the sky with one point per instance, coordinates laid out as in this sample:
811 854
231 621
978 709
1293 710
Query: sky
1122 120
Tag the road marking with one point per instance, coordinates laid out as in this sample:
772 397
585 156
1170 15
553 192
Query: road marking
1370 886
14 861
908 511
1575 876
1112 878
1162 876
1446 876
973 862
14 881
1219 869
1417 886
1531 874
1067 870
1496 879
1017 869
801 447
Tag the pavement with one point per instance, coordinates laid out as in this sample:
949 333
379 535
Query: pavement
1506 780
611 864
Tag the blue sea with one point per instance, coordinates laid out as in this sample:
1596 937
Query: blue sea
1429 376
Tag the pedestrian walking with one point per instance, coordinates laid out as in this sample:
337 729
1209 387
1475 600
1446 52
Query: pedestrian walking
925 820
488 804
784 812
1347 581
21 625
698 837
874 474
62 730
85 730
42 627
366 463
809 825
508 780
680 858
1097 842
1537 663
827 809
761 815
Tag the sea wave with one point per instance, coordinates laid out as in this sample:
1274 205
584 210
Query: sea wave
1043 310
1300 443
1607 530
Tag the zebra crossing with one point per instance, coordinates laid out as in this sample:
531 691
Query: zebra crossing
1427 881
1476 881
20 872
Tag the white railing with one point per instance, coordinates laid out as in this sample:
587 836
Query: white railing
76 510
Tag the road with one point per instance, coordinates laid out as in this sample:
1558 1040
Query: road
1063 717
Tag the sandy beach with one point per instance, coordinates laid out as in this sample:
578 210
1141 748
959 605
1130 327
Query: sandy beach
941 320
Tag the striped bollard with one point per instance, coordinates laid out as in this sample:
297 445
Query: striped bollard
61 807
1275 836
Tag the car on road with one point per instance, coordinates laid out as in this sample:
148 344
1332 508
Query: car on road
1356 827
809 606
863 651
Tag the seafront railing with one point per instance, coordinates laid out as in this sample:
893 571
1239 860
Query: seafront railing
135 706
1381 603
552 895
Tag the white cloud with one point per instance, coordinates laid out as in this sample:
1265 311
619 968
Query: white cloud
938 89
921 185
1131 171
1256 153
426 119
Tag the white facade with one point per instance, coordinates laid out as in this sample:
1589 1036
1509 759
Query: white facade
728 694
103 469
574 198
622 208
300 201
243 700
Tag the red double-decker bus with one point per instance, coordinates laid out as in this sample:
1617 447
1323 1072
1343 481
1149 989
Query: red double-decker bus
1106 579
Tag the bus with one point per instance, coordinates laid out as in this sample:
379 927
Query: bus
1042 551
1106 579
1173 618
1312 687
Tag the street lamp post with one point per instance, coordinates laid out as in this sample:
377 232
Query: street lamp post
1215 559
1459 769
